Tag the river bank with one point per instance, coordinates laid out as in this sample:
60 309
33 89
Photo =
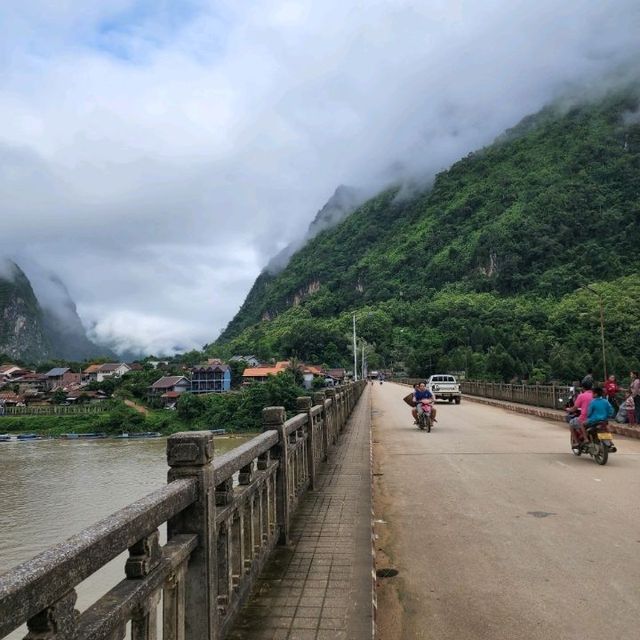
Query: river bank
111 423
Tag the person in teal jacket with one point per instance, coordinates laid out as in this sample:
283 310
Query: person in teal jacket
600 409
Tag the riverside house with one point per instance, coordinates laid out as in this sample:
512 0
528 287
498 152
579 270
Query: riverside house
260 374
168 389
213 377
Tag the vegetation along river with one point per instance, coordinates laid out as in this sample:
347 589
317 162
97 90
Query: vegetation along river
51 489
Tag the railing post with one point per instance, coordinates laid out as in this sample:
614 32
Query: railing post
303 405
190 455
318 400
274 418
333 413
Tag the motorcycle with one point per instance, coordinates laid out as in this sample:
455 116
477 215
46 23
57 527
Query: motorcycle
599 443
425 421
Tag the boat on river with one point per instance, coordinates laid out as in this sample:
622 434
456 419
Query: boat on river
28 436
83 436
218 432
5 437
139 435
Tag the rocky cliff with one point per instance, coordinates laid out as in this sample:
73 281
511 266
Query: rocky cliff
22 332
39 320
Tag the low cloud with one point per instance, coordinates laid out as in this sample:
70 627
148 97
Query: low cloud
156 158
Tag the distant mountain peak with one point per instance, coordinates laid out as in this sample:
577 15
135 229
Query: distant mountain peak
344 201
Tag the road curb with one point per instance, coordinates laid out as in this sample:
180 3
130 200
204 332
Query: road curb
549 414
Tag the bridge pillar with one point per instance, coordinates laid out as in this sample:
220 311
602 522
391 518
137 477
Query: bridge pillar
190 455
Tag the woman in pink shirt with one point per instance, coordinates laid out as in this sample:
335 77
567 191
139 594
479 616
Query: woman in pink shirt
581 404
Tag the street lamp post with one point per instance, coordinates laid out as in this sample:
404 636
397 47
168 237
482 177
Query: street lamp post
604 353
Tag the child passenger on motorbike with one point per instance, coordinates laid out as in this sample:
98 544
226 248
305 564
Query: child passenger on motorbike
600 409
422 396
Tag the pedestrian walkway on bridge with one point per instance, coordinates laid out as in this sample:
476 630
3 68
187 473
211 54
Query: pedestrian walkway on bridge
320 586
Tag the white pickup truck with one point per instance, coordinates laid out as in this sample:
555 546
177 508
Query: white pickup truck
444 387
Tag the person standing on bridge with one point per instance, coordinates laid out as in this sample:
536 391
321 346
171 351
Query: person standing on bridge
634 389
611 389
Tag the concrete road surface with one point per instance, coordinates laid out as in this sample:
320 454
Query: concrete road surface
498 531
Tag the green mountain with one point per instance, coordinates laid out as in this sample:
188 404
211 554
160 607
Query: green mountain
480 272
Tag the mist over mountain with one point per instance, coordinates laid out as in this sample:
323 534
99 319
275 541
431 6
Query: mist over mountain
344 201
62 324
38 318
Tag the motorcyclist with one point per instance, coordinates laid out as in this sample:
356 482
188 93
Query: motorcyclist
422 396
600 410
580 411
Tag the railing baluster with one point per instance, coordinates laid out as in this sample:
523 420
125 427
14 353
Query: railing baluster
173 603
56 622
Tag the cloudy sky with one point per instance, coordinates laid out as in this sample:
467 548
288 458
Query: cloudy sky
155 154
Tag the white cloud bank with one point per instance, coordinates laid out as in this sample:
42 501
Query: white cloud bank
155 157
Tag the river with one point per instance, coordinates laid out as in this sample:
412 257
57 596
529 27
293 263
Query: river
51 489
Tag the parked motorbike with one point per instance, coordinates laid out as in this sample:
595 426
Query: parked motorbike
599 443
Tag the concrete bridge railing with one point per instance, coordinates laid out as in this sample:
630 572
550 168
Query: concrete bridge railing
224 517
551 396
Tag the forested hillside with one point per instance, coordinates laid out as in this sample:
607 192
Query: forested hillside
482 270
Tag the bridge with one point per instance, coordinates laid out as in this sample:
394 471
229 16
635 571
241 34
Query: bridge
485 528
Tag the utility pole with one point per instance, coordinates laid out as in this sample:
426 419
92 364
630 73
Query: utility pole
355 350
604 353
362 368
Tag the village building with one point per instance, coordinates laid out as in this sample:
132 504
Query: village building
213 377
32 384
260 374
168 389
337 376
55 377
11 399
9 372
90 374
80 396
309 373
251 360
112 370
100 372
62 377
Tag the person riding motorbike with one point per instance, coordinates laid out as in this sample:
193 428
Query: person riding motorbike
579 411
422 396
600 410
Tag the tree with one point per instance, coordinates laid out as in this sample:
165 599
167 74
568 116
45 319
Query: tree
59 396
190 407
